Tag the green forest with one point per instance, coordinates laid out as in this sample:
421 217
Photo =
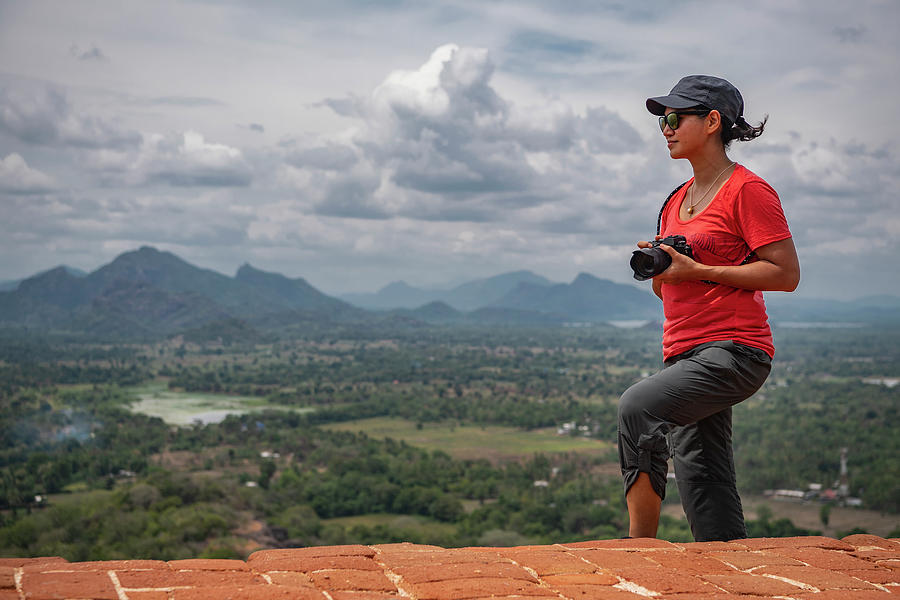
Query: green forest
84 476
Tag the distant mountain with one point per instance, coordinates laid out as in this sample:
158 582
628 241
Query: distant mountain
464 297
587 298
9 285
148 293
398 294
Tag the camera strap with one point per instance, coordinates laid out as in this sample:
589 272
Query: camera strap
750 256
665 204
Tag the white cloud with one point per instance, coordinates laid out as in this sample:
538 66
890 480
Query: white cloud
16 177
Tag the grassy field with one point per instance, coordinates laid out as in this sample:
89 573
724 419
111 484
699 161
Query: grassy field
184 408
473 441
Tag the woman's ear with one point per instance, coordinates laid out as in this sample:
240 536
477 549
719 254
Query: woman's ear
713 121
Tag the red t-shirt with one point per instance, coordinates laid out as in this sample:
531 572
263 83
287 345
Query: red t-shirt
744 215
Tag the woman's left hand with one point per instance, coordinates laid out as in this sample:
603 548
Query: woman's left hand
681 269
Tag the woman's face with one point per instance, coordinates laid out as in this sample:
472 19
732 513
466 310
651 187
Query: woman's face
690 136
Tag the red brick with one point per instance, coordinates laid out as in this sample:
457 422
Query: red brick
443 557
404 547
423 572
614 559
468 588
208 564
168 579
293 578
311 552
689 562
825 559
154 595
345 595
9 595
85 584
813 541
879 576
98 565
664 581
628 544
265 592
863 540
750 560
745 583
875 554
591 579
346 579
822 579
719 596
707 547
551 563
318 563
7 577
21 562
517 597
590 592
889 564
842 595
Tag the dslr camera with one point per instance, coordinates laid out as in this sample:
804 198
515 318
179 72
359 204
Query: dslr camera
650 262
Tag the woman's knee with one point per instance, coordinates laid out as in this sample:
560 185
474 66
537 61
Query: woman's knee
632 404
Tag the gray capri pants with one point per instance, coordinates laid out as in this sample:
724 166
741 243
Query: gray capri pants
684 411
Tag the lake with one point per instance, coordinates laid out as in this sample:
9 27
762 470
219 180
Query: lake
187 408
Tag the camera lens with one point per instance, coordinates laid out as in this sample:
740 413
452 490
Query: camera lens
649 262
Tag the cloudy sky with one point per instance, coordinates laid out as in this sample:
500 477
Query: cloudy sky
359 142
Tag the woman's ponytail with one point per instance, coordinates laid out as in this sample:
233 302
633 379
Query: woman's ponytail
741 130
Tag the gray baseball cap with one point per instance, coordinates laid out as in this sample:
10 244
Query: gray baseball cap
705 90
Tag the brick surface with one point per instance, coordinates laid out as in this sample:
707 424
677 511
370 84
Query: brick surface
826 559
879 576
100 565
749 560
319 563
862 540
689 562
822 579
312 552
443 557
21 562
664 581
293 578
206 564
171 579
585 592
7 577
813 541
707 547
630 544
745 583
550 563
614 559
593 579
814 568
363 596
424 573
346 579
53 586
151 595
844 595
267 592
464 589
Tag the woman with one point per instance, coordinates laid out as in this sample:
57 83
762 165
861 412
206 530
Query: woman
717 345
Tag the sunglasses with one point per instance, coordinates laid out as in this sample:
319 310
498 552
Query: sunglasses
671 119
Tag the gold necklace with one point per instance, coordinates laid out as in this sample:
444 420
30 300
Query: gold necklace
692 204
